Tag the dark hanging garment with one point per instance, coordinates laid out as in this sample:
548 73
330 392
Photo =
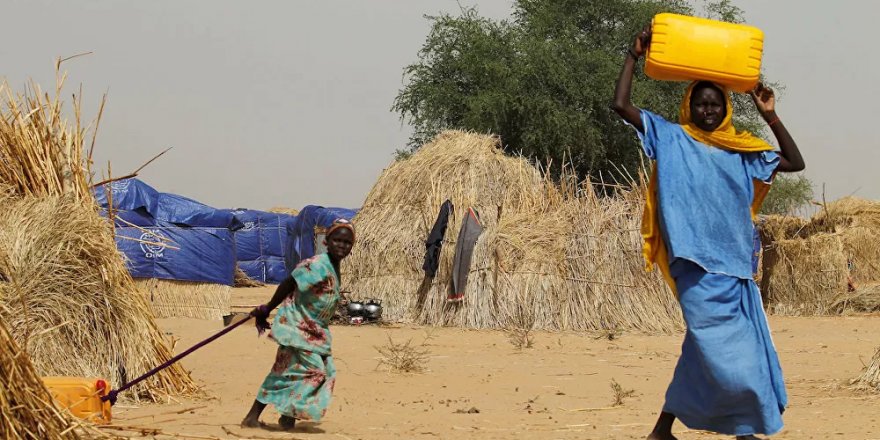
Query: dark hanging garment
434 243
433 246
464 251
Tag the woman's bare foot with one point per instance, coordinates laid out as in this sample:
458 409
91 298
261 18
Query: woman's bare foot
663 428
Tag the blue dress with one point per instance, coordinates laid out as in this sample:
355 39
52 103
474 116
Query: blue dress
728 378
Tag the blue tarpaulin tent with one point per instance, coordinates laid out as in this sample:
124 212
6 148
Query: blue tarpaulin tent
307 231
261 244
200 240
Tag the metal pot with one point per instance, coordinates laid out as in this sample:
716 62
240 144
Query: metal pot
373 310
355 308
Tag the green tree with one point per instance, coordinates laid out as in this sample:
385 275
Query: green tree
788 194
543 79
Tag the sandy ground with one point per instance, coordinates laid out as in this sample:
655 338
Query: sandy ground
478 386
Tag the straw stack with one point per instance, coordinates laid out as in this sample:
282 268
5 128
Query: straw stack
829 264
538 263
69 301
26 408
804 276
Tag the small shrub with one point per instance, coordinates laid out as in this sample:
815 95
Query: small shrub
403 357
620 394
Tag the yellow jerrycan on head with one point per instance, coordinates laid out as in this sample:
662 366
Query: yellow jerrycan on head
685 48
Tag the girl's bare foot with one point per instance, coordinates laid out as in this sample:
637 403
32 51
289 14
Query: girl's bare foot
252 419
251 422
287 423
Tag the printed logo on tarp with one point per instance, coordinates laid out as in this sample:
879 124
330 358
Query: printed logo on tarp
120 185
249 226
152 245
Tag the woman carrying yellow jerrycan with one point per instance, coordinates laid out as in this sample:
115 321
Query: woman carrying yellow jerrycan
708 180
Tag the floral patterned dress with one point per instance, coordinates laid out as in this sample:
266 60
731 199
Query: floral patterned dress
301 382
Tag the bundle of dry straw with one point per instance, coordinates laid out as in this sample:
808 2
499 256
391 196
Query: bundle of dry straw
829 264
284 210
543 260
26 408
870 378
67 297
242 279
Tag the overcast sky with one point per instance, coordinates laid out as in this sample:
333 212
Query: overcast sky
288 102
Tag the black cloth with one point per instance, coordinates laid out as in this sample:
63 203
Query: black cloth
435 239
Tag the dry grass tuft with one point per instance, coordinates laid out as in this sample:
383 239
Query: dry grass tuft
405 357
521 338
620 394
520 334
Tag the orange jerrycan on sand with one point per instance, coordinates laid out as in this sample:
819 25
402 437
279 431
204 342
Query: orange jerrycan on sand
80 396
687 48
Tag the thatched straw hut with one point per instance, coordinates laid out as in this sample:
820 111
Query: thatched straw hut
26 408
829 264
69 301
549 257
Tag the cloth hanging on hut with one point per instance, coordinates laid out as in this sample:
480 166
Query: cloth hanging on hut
434 243
464 251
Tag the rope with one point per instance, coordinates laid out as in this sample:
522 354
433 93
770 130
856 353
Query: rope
111 396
